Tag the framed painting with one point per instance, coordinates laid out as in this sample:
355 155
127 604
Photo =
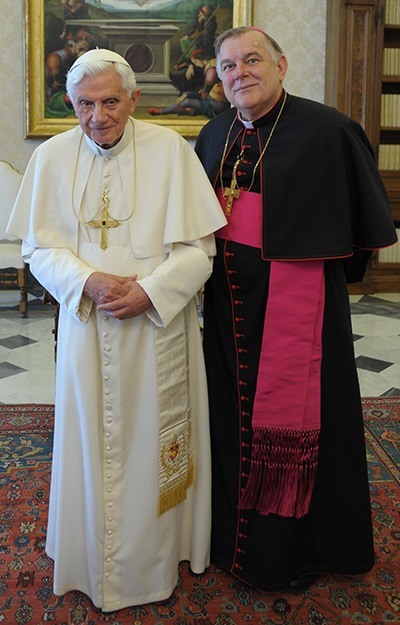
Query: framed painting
168 43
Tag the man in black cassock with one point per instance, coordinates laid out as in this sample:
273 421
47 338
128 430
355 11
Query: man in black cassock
305 206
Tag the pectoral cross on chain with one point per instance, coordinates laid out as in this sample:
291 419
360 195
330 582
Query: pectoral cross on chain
106 220
232 192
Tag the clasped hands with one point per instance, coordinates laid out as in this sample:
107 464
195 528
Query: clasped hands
118 297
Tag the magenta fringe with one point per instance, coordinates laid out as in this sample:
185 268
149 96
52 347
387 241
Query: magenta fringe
282 472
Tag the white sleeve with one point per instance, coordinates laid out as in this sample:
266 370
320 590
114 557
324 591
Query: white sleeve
63 274
173 284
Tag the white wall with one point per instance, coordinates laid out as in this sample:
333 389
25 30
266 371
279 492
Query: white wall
299 27
13 147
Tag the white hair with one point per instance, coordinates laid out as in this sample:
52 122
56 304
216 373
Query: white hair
94 68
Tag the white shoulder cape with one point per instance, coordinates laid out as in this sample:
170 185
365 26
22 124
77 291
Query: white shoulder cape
174 199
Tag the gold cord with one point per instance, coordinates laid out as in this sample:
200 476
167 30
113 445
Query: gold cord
233 183
104 197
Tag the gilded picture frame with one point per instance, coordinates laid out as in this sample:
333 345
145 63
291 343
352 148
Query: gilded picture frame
154 42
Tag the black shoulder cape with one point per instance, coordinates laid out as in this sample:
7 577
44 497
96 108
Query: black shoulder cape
323 196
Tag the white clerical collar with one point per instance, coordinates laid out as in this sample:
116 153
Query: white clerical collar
250 124
246 124
117 148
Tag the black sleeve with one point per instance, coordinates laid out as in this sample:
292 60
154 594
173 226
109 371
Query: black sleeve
355 266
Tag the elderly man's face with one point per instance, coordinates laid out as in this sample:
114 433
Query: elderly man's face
103 106
251 78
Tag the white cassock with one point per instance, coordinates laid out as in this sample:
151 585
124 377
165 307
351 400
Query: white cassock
118 383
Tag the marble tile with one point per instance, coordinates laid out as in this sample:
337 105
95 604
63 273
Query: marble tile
392 376
371 364
27 354
390 297
377 306
34 386
7 369
355 298
392 392
372 384
381 347
18 340
375 325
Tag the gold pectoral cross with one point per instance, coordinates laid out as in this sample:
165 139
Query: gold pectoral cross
232 192
106 220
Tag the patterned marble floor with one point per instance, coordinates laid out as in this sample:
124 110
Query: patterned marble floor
27 348
376 332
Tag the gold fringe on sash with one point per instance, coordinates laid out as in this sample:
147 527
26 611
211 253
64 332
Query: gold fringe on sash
174 496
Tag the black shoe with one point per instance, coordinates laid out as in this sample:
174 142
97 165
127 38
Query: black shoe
303 582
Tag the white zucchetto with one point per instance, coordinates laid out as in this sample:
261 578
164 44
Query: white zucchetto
99 54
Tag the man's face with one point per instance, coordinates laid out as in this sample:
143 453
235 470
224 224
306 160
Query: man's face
252 80
103 106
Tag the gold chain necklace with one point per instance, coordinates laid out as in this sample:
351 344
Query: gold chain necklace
233 192
106 220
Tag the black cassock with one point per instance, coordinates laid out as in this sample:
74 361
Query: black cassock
323 198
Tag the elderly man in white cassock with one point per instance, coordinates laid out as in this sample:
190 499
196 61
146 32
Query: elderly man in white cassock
117 220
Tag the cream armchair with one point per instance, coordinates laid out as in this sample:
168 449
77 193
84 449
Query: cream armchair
12 267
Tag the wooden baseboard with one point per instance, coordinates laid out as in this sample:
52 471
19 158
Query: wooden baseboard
376 284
